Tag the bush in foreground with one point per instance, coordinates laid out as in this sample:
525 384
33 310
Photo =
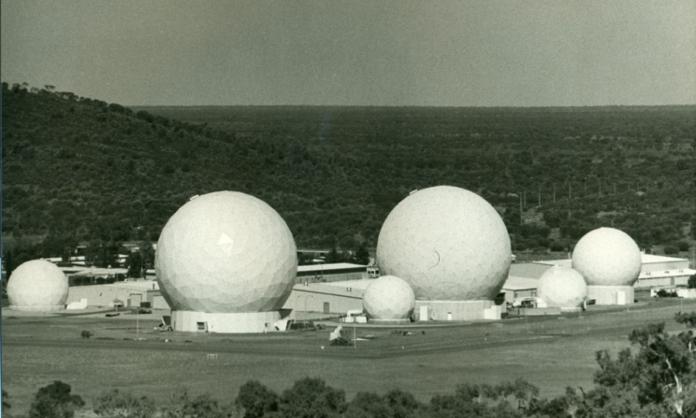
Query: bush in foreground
117 404
55 401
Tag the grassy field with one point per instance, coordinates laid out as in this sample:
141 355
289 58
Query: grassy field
552 353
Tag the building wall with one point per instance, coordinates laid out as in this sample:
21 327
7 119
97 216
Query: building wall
254 322
99 295
103 295
611 295
310 299
646 283
439 310
157 301
331 277
511 295
666 265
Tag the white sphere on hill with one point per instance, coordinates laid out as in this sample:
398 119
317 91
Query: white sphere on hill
389 298
226 252
607 257
562 287
37 285
447 243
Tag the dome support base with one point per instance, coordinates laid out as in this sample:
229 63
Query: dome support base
232 323
456 310
611 295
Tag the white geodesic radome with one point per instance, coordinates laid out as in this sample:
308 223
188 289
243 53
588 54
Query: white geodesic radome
37 285
607 257
226 252
389 298
447 243
562 287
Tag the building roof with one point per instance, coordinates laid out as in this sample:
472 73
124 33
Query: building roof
566 262
520 283
312 250
136 285
645 259
98 271
652 258
353 284
328 289
319 268
666 273
529 270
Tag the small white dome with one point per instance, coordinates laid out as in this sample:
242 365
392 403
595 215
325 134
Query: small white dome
389 298
562 287
37 285
607 257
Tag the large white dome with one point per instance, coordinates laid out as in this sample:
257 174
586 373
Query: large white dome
37 285
389 298
562 287
447 243
226 252
607 257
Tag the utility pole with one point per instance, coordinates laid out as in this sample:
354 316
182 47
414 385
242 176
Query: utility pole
355 339
524 193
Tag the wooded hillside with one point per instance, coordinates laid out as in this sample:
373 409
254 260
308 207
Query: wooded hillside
77 169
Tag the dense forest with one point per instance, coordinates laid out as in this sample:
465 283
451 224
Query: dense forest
76 169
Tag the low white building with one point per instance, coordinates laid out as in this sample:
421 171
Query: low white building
329 298
660 270
517 287
331 272
657 271
132 293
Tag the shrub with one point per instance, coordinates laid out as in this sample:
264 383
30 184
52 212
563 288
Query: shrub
670 249
55 401
256 399
5 401
311 397
116 404
692 282
183 405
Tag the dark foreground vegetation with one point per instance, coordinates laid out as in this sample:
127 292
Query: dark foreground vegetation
79 170
654 378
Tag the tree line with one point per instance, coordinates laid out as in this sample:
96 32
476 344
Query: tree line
78 169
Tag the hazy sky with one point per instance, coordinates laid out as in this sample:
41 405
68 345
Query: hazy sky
372 52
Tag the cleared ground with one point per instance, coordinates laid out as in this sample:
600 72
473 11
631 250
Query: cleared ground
550 352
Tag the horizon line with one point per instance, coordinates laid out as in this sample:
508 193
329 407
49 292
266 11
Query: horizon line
422 106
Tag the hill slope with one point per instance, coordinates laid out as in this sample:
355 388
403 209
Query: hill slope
77 169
